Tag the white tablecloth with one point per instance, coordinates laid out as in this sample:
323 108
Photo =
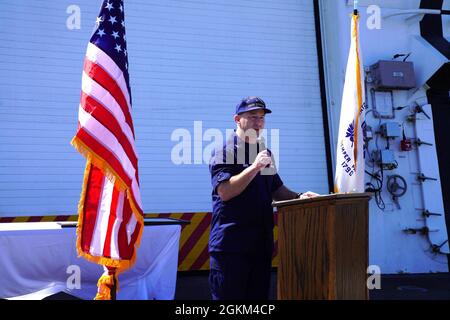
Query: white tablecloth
39 259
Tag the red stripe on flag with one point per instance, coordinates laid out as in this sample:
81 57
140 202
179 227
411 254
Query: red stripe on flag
196 234
111 220
102 115
124 248
91 203
105 154
34 219
102 78
134 236
138 208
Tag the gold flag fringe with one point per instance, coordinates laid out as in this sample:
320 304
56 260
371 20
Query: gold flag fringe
93 158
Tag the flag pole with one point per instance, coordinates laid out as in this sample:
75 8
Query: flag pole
355 7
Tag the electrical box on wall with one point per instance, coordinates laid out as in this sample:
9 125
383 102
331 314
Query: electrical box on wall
386 159
390 129
382 104
393 75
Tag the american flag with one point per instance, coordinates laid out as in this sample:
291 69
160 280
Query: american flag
110 219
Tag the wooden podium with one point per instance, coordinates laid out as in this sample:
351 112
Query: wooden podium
323 247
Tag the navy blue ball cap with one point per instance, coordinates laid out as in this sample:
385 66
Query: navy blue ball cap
251 103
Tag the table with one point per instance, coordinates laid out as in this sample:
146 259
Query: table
38 259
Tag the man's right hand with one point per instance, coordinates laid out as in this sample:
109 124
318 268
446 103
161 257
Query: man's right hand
262 160
237 184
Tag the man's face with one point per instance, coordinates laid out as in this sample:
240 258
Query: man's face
251 120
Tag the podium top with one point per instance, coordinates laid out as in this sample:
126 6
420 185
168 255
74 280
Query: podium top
326 197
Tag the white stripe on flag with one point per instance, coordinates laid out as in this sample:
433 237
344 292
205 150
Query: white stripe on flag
131 226
101 223
115 230
102 96
96 55
107 139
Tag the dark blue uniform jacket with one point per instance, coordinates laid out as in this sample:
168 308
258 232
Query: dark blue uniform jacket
245 222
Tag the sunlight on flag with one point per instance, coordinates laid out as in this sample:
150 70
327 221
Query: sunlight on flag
350 164
110 220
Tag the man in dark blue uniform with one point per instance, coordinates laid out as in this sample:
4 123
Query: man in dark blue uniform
244 182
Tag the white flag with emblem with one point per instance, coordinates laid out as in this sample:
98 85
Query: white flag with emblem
349 176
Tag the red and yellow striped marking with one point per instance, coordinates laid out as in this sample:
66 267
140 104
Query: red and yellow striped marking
193 252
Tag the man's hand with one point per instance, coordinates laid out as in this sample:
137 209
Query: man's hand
262 160
309 194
